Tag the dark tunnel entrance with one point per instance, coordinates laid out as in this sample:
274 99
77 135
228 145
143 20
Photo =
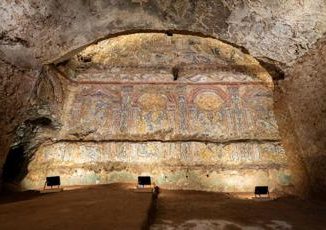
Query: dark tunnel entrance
15 167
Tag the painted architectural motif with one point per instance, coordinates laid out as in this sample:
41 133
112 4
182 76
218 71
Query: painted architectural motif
168 112
212 129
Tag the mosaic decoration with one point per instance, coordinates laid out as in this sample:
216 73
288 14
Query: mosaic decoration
234 167
204 112
211 129
170 153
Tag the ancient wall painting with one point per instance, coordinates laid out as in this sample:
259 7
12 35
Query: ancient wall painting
186 153
150 57
157 159
170 131
124 115
152 112
95 111
168 112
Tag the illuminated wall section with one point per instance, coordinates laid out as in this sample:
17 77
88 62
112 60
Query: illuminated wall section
211 129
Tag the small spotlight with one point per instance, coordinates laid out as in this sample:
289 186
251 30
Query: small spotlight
261 190
52 181
143 181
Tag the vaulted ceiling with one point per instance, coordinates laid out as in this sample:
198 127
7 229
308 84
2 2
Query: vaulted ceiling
35 32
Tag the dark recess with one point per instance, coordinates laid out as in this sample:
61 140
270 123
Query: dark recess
175 72
84 58
15 167
40 121
276 72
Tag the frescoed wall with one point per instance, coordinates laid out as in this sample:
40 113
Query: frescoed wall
212 128
167 112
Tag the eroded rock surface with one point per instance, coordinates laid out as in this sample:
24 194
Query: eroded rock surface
34 32
304 93
15 91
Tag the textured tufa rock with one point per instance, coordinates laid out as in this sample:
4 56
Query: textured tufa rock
39 32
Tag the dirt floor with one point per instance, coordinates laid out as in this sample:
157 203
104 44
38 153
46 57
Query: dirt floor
99 207
204 210
116 206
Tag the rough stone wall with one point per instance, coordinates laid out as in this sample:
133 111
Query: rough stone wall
15 92
35 32
304 93
30 102
124 115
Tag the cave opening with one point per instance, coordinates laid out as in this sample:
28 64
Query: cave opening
19 156
15 166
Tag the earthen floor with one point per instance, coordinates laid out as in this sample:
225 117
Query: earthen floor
204 210
115 206
112 206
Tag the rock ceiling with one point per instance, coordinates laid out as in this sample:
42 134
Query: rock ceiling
36 32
